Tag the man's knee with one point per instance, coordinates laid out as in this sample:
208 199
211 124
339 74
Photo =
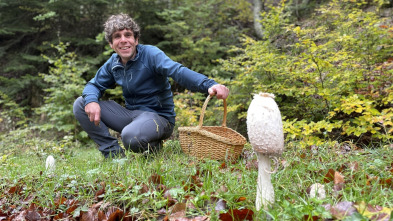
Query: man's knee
142 134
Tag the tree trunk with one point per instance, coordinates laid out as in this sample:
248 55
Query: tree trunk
257 18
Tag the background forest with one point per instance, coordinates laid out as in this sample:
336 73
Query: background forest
328 62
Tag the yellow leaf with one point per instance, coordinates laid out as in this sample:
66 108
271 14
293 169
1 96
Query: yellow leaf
371 212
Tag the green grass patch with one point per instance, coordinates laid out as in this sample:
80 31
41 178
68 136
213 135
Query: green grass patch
154 187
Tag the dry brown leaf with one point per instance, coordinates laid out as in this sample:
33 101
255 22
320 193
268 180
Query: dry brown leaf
237 215
329 176
99 193
32 215
156 179
114 214
223 189
353 166
338 178
144 189
311 218
90 215
240 199
178 211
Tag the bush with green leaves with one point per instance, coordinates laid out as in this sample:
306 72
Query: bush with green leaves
332 76
11 114
65 84
211 26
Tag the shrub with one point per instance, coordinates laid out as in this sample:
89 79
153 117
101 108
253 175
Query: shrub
65 84
332 76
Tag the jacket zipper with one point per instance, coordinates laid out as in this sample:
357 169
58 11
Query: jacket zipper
127 83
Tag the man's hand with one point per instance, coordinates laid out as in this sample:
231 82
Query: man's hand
219 90
93 111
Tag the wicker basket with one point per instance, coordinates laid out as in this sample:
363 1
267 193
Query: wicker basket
213 142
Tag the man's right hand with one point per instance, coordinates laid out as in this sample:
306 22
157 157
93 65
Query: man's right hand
93 111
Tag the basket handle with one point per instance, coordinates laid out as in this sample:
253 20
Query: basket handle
224 121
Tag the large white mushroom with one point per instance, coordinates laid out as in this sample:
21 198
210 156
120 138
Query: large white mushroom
265 132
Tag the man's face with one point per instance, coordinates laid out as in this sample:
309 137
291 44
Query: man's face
124 44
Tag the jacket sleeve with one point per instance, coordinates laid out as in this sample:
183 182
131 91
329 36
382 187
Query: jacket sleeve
187 78
102 80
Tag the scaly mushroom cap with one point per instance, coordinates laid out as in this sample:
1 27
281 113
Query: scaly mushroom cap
264 125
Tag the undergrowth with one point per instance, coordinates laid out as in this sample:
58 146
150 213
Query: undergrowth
148 187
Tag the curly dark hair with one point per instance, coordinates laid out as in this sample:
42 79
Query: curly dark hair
120 22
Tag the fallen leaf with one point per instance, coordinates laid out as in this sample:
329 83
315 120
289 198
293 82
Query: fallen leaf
386 183
329 176
60 201
101 216
223 189
161 187
338 187
91 214
237 215
377 213
32 215
220 205
310 218
353 166
99 193
73 205
114 214
178 211
156 179
342 209
162 211
144 189
15 189
338 178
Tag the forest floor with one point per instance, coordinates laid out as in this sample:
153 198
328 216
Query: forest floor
355 184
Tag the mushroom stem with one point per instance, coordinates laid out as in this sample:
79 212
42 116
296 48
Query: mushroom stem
265 191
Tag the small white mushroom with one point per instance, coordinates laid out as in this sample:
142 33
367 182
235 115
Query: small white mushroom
50 165
317 191
265 132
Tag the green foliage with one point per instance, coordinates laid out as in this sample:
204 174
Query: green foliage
331 77
11 114
29 142
146 185
211 26
65 84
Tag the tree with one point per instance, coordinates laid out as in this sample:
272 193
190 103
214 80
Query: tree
332 76
257 18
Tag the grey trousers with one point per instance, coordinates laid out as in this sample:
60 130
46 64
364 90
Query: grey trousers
140 130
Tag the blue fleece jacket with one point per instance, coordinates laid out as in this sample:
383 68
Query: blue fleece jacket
144 81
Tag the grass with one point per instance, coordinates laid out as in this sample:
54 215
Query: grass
150 186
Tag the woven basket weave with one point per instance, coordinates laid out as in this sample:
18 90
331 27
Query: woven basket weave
213 142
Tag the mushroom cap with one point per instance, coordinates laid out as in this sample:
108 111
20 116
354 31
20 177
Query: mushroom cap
50 163
264 125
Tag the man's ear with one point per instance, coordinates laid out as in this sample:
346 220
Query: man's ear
110 44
